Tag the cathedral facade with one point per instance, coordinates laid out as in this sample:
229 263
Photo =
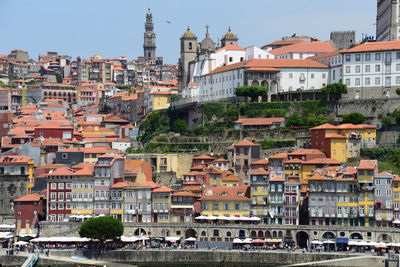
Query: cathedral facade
192 51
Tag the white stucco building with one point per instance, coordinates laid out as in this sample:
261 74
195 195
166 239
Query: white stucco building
302 50
372 70
334 61
279 75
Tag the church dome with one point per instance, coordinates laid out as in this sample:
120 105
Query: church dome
188 34
229 34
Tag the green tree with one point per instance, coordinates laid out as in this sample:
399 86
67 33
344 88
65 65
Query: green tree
251 91
102 228
355 118
200 130
334 88
58 77
388 121
398 91
231 114
180 126
2 84
294 120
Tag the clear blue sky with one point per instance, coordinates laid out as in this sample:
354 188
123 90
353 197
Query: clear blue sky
115 27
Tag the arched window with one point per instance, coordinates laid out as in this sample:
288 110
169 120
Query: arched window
216 232
190 46
203 233
228 234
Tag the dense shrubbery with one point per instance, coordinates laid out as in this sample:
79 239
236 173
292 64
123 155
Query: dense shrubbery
213 109
264 109
308 114
251 91
391 119
157 122
355 118
270 144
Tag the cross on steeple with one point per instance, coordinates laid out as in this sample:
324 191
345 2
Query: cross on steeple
207 26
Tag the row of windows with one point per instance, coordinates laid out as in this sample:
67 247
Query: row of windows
367 81
369 56
312 75
226 206
357 68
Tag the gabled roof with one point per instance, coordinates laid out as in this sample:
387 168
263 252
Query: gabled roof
295 160
306 152
62 172
29 197
230 178
259 171
374 46
220 160
317 176
270 63
120 185
259 121
231 47
385 173
245 142
260 162
163 189
367 164
304 47
277 179
183 194
226 193
204 156
279 156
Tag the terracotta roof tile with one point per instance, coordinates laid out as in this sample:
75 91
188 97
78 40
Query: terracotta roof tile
162 189
226 193
279 156
259 121
231 47
29 197
245 142
277 179
259 171
304 47
367 164
204 156
374 46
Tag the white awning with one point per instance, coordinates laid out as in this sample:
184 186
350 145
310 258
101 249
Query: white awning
21 243
190 239
201 217
396 221
330 242
247 241
353 243
129 238
172 238
316 242
5 235
61 239
237 241
255 219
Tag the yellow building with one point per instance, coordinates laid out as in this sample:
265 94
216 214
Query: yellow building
230 180
308 167
396 198
347 201
365 175
344 141
161 198
292 167
163 163
161 100
259 193
226 201
338 146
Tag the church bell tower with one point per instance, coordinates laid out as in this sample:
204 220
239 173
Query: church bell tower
149 45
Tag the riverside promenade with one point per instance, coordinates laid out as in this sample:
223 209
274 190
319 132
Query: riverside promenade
196 257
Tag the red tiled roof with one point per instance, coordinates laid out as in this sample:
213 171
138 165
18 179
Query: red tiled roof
349 126
259 121
62 172
29 197
230 178
295 160
374 46
260 162
245 142
367 164
220 160
277 179
120 185
317 176
304 47
204 156
259 171
15 159
325 55
270 63
226 193
285 42
279 156
162 189
231 47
